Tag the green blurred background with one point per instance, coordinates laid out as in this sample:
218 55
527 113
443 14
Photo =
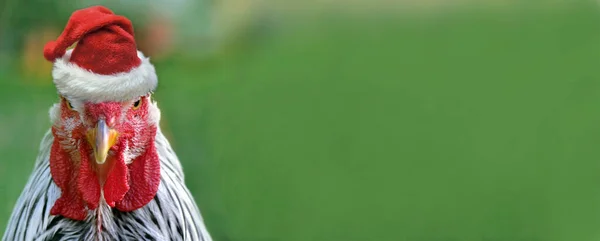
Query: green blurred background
351 120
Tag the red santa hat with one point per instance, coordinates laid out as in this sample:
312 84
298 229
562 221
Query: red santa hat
105 64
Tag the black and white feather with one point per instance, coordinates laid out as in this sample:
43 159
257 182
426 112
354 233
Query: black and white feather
171 215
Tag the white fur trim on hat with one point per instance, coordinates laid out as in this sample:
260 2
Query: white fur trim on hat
73 81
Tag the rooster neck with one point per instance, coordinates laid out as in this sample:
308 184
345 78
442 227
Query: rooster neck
171 215
102 219
99 220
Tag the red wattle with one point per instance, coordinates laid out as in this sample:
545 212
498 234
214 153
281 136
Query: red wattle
87 182
69 204
126 187
144 178
116 184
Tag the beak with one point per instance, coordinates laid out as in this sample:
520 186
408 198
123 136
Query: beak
101 138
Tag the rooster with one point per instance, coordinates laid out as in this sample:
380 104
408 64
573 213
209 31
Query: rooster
105 171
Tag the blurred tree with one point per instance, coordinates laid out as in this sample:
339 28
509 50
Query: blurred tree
33 66
156 37
20 18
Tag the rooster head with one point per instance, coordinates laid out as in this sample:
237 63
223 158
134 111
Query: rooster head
104 152
105 122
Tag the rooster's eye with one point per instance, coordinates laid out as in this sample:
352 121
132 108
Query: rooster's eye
137 104
69 105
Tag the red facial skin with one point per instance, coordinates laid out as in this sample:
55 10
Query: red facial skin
126 187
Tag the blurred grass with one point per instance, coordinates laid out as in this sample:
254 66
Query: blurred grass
477 125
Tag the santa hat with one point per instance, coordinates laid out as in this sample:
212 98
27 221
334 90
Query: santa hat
105 64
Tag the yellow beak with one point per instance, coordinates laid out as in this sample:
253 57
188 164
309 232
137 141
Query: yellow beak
101 138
